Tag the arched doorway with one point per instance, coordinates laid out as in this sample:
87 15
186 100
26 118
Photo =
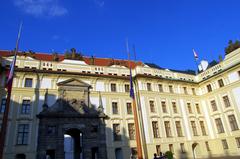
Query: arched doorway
73 144
20 156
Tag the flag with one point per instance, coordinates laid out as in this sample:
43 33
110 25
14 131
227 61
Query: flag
195 54
131 85
11 72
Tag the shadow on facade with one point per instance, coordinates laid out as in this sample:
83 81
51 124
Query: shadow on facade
71 128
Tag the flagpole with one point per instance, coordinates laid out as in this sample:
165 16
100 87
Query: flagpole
9 91
135 115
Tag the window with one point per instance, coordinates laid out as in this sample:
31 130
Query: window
170 89
209 88
3 105
174 107
224 144
214 105
25 107
233 122
164 107
131 131
179 128
182 147
113 87
155 129
203 128
22 134
185 90
149 87
207 146
127 88
134 152
226 101
168 128
171 147
160 87
158 149
114 108
116 132
193 91
198 108
189 108
220 83
194 128
238 141
129 108
152 107
219 125
28 82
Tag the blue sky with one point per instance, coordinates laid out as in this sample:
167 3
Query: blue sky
163 31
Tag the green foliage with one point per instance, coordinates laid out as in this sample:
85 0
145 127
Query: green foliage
73 54
169 155
232 46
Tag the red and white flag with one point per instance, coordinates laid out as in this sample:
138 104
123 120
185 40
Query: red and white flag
195 54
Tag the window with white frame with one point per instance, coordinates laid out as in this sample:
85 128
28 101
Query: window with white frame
224 144
213 105
219 125
160 87
113 87
26 107
220 83
22 134
226 101
152 106
155 129
115 108
164 106
149 87
28 82
174 107
233 122
168 128
209 88
179 128
116 132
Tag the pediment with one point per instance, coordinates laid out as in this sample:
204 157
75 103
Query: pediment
74 82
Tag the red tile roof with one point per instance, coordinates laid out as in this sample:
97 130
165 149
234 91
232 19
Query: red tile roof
88 60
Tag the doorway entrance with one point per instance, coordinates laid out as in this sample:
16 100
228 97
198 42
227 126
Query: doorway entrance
73 144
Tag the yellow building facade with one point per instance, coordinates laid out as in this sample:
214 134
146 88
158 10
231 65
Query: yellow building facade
194 116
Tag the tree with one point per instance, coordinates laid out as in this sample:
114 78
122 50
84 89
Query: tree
169 155
232 46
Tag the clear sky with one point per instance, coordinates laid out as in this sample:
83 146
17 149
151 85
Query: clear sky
163 31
